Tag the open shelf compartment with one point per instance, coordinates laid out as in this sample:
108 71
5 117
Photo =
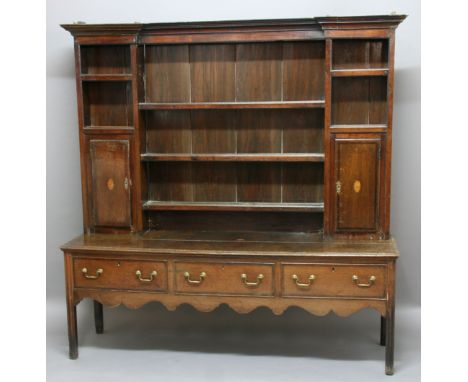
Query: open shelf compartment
229 73
107 104
227 134
234 186
359 101
101 60
359 54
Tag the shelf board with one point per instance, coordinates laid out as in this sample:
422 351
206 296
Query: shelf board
267 157
356 128
233 105
106 77
108 129
232 206
358 72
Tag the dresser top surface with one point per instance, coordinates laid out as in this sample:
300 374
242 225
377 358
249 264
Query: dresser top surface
231 243
328 22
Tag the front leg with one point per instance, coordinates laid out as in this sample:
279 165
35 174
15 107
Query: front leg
390 321
72 331
71 309
389 347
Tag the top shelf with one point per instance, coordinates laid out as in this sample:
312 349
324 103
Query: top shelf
233 105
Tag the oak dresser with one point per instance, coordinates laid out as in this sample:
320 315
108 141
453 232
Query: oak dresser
244 163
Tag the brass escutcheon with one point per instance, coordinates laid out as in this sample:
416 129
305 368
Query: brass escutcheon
338 187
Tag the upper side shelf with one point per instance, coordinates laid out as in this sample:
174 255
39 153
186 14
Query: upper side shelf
360 57
105 62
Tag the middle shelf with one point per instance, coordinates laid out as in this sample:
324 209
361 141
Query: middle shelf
263 157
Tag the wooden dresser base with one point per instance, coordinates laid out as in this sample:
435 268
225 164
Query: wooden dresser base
244 271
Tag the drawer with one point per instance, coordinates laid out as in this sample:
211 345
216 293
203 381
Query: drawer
331 280
224 278
120 274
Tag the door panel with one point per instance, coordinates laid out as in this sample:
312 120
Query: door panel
109 174
357 174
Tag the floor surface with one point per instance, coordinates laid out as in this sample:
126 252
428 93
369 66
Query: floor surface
152 343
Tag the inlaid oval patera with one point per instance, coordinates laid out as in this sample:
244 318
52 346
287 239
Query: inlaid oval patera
357 186
110 184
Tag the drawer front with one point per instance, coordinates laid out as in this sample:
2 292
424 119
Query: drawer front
120 274
320 280
222 278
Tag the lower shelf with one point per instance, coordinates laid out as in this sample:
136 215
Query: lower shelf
232 206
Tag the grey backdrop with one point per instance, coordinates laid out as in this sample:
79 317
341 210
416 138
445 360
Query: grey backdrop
64 213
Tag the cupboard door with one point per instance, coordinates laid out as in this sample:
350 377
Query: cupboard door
109 175
357 187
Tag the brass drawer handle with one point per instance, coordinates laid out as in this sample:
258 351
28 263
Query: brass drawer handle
152 276
194 282
99 272
371 281
259 280
303 285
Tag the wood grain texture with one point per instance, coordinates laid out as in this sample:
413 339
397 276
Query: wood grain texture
213 131
315 104
303 70
163 243
170 182
258 72
223 278
259 131
333 280
120 274
105 59
214 183
259 182
167 73
109 165
211 205
71 308
138 181
303 131
360 54
107 104
359 100
358 170
244 305
168 132
212 73
262 157
255 219
303 183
